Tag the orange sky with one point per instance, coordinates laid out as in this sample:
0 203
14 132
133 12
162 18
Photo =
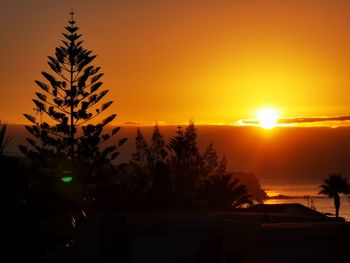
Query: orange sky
213 61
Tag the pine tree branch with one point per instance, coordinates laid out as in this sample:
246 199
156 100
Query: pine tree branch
62 76
91 118
76 121
91 94
56 134
51 116
66 61
77 72
53 95
57 107
64 64
85 97
88 85
85 121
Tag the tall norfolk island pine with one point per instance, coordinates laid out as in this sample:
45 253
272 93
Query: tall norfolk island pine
70 99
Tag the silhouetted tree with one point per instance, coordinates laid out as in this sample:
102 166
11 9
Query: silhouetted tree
65 144
210 161
162 186
185 162
10 170
253 185
191 137
140 161
12 184
11 175
158 150
4 138
162 180
142 152
334 185
178 163
177 148
222 191
193 157
70 99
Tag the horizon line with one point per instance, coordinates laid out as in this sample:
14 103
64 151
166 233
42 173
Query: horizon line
238 124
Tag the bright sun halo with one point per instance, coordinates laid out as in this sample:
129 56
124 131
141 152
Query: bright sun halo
267 118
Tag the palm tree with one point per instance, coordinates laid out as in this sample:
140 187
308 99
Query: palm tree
334 185
223 192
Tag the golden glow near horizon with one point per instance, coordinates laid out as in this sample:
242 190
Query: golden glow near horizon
170 61
271 193
267 118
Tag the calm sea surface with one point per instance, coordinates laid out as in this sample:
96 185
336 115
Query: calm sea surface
322 204
306 194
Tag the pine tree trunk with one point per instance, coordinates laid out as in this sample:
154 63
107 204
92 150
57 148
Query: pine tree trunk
71 117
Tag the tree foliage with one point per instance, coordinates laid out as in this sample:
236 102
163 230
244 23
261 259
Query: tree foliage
158 152
70 98
4 138
142 153
185 161
222 191
183 180
333 186
210 160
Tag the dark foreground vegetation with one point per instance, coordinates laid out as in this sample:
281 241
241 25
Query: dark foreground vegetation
45 210
67 176
67 200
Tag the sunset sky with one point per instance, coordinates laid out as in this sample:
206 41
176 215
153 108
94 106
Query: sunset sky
169 61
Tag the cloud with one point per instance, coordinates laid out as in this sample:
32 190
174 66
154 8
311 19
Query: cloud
321 120
133 123
314 119
149 123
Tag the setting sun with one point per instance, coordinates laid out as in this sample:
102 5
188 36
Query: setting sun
267 118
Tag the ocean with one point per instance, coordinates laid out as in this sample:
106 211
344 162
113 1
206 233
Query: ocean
321 204
307 195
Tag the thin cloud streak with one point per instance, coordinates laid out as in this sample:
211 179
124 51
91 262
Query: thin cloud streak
313 119
322 120
167 123
331 121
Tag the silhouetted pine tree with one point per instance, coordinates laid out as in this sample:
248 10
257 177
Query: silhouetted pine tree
221 170
140 178
158 151
65 144
10 176
185 161
192 152
4 138
194 160
177 147
142 153
162 188
68 102
183 185
210 161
